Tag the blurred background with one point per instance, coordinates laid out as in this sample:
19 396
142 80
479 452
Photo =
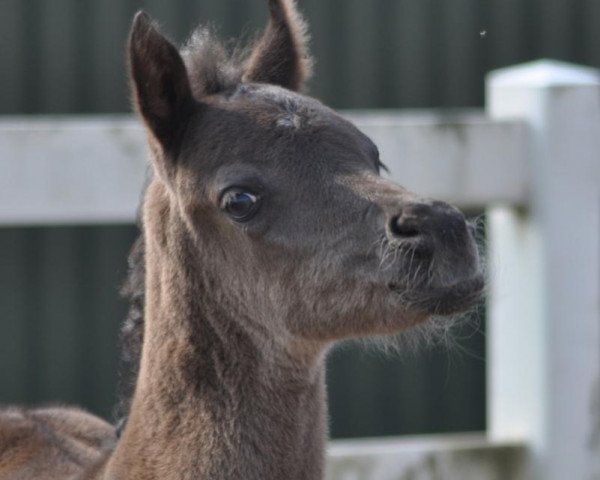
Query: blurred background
59 306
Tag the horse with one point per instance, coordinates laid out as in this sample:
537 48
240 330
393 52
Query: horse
268 236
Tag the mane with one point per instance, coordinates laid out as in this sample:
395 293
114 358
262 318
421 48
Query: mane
132 331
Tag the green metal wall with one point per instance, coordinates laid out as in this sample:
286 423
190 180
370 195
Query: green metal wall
64 56
60 314
426 391
59 309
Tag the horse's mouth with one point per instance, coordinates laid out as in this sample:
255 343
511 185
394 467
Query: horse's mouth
456 297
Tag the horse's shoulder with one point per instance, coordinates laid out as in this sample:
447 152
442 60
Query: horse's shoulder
50 442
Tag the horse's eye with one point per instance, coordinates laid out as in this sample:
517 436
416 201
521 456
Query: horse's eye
239 204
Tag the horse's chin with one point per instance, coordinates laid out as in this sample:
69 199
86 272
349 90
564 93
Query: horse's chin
446 299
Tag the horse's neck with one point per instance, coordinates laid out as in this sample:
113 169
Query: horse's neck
210 402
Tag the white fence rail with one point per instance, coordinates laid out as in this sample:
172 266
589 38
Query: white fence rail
436 457
91 169
533 162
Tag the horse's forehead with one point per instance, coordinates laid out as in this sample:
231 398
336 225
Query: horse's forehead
284 108
269 127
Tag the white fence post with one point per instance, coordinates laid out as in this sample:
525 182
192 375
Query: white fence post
544 320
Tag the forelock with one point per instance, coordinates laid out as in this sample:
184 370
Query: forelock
212 66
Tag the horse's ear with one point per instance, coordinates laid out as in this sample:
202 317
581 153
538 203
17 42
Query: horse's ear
159 81
280 57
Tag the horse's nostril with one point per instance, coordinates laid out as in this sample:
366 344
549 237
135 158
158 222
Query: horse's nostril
437 220
404 227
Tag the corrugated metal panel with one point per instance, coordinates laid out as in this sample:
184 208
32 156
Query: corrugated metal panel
424 391
60 313
68 56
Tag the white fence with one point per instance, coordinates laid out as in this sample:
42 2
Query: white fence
532 161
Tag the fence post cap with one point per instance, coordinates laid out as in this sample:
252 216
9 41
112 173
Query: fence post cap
544 74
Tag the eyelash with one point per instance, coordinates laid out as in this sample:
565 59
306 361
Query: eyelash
382 166
246 208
